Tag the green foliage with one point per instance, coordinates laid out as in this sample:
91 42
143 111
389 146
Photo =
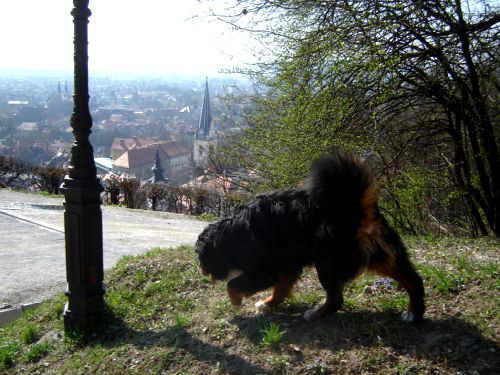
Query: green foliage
443 281
30 334
75 338
207 216
308 298
388 80
37 352
414 197
157 282
9 352
181 321
393 303
272 334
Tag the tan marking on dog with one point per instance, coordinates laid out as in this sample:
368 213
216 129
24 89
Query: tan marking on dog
235 296
369 232
233 274
389 270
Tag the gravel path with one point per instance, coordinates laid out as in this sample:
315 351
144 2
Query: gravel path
32 264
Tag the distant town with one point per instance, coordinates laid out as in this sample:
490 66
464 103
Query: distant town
176 122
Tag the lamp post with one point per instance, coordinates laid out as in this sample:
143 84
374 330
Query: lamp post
81 188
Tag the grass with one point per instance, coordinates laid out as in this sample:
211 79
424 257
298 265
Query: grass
9 352
30 334
37 352
164 318
207 216
272 335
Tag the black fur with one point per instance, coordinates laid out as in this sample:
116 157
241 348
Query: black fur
334 225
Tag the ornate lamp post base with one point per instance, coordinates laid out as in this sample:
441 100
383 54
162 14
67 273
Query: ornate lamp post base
85 308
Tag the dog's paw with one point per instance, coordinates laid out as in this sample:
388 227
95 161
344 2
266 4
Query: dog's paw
261 305
408 317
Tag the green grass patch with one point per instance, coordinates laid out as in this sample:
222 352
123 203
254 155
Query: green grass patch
207 216
30 334
9 351
37 352
164 317
397 303
271 334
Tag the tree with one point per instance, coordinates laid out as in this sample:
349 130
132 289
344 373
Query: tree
47 179
394 79
11 171
130 187
111 185
157 193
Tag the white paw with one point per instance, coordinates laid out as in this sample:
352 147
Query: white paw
308 315
259 304
408 317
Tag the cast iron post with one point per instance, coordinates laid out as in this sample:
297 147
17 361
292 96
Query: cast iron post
81 188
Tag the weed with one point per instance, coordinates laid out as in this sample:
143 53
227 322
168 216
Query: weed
279 362
444 282
140 276
58 309
272 334
30 334
75 338
8 354
393 303
37 352
181 321
186 304
349 303
318 366
307 298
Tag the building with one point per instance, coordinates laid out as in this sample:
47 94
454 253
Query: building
122 145
139 161
205 141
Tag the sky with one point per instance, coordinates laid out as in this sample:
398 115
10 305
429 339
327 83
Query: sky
125 37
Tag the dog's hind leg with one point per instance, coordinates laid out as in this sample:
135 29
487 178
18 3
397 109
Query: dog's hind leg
246 285
404 273
334 287
281 290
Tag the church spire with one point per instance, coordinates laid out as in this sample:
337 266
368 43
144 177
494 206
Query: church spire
205 117
158 170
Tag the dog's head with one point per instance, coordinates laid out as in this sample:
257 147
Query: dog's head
212 262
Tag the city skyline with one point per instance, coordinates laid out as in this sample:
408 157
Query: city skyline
157 37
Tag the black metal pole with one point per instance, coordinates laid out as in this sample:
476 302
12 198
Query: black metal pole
81 188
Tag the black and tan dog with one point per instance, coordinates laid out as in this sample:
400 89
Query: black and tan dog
334 225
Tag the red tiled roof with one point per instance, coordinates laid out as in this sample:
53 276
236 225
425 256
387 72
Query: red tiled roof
136 157
133 142
173 149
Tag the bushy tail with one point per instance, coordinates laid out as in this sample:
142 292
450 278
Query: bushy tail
344 190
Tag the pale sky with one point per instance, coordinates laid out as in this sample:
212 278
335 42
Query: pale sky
125 36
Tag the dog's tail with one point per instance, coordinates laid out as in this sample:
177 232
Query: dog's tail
344 190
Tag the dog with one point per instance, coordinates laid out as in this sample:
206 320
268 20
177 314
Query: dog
334 224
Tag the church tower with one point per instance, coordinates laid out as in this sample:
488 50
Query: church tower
158 170
205 141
